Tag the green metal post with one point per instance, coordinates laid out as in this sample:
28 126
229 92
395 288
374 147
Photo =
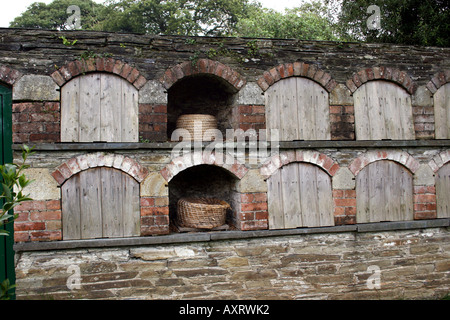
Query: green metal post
7 270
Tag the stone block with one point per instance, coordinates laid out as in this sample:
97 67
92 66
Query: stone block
344 179
424 176
422 97
153 93
43 185
154 186
250 94
36 88
341 96
252 182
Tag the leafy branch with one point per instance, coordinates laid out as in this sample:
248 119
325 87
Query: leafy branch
13 181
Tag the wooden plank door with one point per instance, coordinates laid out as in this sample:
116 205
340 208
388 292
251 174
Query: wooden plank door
443 191
442 112
100 203
299 195
384 192
99 107
299 109
383 111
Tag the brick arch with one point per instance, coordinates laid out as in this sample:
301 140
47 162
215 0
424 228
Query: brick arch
439 160
109 65
401 157
439 79
94 160
381 73
319 159
202 66
296 69
189 160
9 75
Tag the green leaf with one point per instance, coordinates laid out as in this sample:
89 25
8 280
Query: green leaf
6 191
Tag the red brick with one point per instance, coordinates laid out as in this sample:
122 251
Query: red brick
100 64
260 197
338 193
245 109
350 193
27 226
21 236
425 215
336 110
117 69
109 64
160 108
424 198
254 225
45 215
261 215
259 109
140 82
345 202
246 198
339 211
162 220
46 236
260 206
147 202
34 205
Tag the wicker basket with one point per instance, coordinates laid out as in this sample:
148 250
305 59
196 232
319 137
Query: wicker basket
188 122
201 213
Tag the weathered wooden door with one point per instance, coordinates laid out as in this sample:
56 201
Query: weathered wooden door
299 195
100 203
443 191
384 192
383 111
99 107
299 109
442 112
6 243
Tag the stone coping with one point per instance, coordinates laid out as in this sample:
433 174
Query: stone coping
226 235
100 146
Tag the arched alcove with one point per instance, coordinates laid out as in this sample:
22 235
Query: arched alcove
205 181
201 94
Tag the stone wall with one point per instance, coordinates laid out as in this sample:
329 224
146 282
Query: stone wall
311 263
405 264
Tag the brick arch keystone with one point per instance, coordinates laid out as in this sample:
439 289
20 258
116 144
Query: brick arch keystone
296 69
439 160
109 65
9 75
401 157
283 158
189 160
439 79
381 73
202 66
94 160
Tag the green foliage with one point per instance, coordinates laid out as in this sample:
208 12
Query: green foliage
5 288
178 17
308 22
413 22
13 182
54 15
67 42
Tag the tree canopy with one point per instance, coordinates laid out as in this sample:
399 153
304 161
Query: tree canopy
183 17
310 21
54 15
414 22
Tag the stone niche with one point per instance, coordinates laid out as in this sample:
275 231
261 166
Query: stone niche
205 181
201 94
